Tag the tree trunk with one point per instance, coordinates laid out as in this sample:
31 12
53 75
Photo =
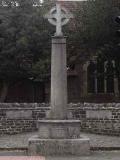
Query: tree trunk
4 91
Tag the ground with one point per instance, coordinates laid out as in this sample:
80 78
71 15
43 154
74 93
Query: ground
106 155
13 142
21 140
94 156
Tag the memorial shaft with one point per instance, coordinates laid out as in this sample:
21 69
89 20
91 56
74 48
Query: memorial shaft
58 135
58 79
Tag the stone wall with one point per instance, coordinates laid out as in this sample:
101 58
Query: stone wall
98 118
20 117
95 118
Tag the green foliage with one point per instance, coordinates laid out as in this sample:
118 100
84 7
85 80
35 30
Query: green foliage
24 40
93 27
25 36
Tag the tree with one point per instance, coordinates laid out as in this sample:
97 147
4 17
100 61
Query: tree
93 26
23 41
25 37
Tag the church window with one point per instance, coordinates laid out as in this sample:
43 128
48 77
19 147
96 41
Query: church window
100 77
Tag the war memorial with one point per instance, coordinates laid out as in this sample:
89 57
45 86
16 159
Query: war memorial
58 134
47 113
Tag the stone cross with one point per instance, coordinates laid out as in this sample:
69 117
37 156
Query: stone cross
58 133
58 16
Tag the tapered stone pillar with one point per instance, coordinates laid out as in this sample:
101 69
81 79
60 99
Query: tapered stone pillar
58 79
59 135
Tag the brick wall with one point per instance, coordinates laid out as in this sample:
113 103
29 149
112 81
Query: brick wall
95 118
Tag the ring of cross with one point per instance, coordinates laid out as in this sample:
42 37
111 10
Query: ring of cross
58 16
64 16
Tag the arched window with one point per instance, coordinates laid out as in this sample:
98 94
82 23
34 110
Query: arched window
91 77
109 75
100 76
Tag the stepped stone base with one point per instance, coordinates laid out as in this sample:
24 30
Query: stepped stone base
59 137
61 147
58 129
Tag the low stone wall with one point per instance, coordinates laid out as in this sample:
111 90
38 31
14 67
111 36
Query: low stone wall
95 118
98 118
20 117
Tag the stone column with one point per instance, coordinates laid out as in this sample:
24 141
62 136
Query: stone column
96 82
85 80
116 90
58 79
58 135
116 83
95 74
105 80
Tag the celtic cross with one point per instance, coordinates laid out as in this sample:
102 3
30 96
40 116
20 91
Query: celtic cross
58 16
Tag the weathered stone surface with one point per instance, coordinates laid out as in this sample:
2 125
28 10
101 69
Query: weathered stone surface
21 114
59 129
62 147
98 114
58 79
58 16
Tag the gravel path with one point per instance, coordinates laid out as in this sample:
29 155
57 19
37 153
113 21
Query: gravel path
21 140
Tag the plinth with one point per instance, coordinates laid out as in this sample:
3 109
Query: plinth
58 135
